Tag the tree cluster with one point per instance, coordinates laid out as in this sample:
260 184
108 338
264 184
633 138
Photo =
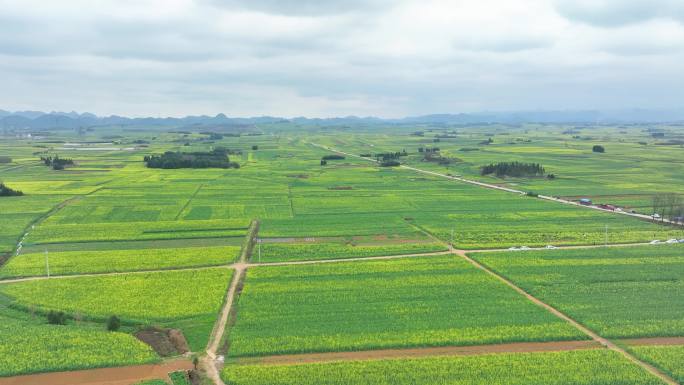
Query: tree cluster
5 159
386 156
332 157
56 162
8 192
513 169
217 158
668 205
598 148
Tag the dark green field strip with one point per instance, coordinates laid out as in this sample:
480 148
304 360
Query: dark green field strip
133 245
617 292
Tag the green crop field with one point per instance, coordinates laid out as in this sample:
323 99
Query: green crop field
29 346
619 292
429 301
279 252
102 261
189 300
667 358
596 367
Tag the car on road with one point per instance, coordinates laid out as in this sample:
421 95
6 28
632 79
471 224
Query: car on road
524 248
513 249
654 242
550 247
672 241
681 240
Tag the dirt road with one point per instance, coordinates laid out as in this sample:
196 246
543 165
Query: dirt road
521 347
125 375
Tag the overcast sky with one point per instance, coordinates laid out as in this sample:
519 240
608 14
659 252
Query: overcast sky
336 58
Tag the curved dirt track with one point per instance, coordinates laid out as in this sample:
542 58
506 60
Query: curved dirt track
125 375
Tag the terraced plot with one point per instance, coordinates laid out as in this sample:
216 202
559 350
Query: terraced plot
430 301
594 367
617 292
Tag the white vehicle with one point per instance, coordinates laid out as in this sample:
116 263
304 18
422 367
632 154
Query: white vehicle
513 248
654 242
524 248
672 241
550 247
681 240
655 216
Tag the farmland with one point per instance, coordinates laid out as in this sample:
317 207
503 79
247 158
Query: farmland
280 252
667 358
166 298
429 301
30 346
159 247
585 367
621 293
107 261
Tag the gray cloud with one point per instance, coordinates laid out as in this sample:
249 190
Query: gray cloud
177 57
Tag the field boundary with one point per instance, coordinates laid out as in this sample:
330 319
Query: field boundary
594 336
381 354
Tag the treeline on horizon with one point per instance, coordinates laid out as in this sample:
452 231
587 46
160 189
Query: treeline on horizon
217 158
513 169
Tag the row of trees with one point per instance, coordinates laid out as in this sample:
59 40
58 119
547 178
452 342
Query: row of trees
56 162
217 158
60 318
668 206
513 169
8 192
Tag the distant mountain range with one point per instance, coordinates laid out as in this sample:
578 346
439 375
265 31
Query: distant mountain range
37 120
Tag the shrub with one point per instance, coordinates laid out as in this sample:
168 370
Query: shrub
113 323
598 148
255 147
56 318
8 192
5 159
323 162
333 157
390 163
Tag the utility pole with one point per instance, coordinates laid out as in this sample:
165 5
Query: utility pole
47 264
606 242
259 248
452 237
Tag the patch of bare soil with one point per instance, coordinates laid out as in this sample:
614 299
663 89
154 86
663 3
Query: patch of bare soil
520 347
126 375
166 342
